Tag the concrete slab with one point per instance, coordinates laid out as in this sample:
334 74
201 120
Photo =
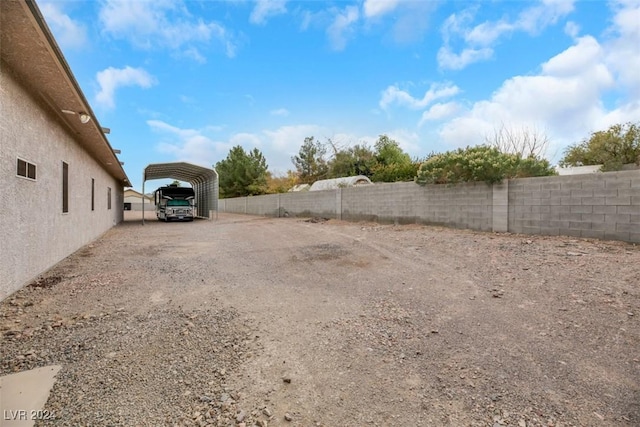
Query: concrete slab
23 395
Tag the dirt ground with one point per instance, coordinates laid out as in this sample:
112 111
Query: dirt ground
247 321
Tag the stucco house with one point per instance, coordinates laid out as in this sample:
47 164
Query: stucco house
133 201
61 182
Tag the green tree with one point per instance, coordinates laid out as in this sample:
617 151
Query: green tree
310 161
356 160
396 172
389 152
392 163
242 173
281 183
618 145
480 163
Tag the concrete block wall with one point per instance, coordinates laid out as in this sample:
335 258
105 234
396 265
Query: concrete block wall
315 203
235 205
266 205
462 206
382 202
318 203
467 205
601 205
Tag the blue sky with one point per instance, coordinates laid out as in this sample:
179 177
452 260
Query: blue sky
187 80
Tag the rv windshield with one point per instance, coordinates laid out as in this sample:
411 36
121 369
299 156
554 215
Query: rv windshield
177 203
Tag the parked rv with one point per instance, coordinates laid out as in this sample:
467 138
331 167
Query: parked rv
175 203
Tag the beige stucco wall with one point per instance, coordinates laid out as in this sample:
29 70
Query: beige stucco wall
35 233
136 202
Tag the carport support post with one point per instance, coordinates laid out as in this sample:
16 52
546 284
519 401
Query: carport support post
143 199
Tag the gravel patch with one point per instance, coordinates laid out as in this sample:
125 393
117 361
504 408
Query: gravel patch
251 321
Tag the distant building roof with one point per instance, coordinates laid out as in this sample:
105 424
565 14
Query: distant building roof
347 181
129 192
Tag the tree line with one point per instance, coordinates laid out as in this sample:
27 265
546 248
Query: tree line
507 153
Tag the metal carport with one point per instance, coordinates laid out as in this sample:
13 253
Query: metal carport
203 180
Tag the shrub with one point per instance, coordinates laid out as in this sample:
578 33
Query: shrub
480 163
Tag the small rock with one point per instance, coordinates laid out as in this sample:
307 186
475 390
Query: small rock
288 417
240 417
287 380
266 412
497 293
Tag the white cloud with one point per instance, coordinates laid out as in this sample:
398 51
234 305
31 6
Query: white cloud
373 8
440 111
188 145
412 21
111 79
162 24
487 33
282 112
623 49
248 141
565 98
266 9
394 95
572 29
194 146
288 139
159 125
575 59
547 12
479 39
457 61
409 23
341 27
69 33
194 53
457 24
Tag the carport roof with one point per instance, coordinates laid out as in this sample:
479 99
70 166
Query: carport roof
182 171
